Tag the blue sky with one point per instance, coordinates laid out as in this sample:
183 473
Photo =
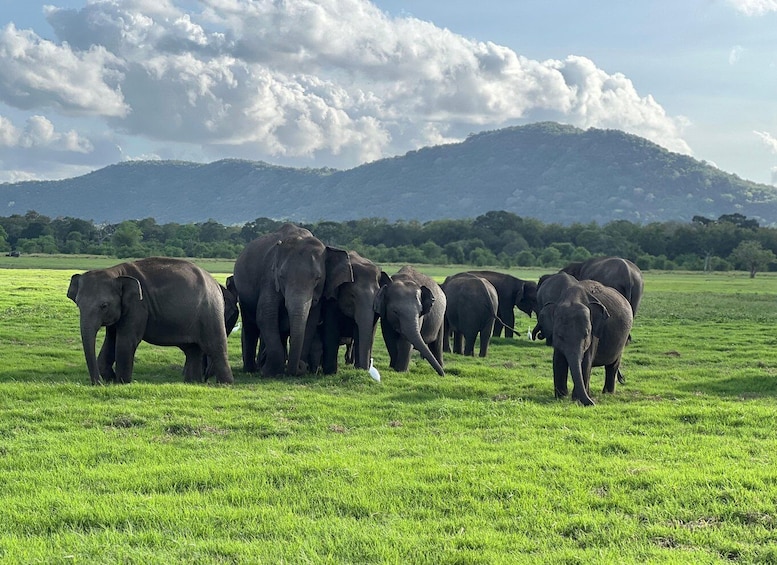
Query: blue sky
88 83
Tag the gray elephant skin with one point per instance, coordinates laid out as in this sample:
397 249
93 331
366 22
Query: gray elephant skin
511 291
471 308
349 316
411 307
588 325
159 300
280 279
615 272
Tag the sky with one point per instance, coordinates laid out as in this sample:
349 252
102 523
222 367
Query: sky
337 83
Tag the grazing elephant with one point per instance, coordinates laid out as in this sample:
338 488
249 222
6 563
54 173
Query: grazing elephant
159 300
280 278
587 325
349 317
411 307
472 304
615 272
511 291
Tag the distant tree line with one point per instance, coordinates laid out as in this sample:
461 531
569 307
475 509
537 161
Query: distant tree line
497 238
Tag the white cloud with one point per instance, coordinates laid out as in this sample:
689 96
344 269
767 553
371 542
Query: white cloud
334 79
35 73
754 7
769 140
39 133
735 54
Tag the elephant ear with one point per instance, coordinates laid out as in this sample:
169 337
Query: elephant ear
72 290
599 316
545 322
427 300
231 287
338 270
379 304
384 279
130 289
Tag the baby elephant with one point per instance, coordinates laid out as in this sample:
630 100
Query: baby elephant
471 310
159 300
588 325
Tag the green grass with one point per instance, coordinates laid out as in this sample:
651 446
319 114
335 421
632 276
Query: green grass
481 466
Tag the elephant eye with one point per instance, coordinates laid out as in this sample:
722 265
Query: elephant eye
103 305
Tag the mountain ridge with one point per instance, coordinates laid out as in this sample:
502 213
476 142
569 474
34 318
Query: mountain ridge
548 171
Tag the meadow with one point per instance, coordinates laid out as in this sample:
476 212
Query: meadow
483 465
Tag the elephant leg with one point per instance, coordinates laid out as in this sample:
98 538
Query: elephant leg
469 343
501 312
194 366
560 372
126 346
107 356
273 349
446 345
485 337
610 373
509 320
402 361
436 346
458 342
249 337
391 339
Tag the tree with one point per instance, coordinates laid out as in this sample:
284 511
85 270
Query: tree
750 255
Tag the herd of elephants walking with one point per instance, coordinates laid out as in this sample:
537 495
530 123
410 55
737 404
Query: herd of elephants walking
301 300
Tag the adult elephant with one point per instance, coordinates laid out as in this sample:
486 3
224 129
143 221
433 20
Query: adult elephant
511 292
349 316
411 307
471 308
615 272
588 325
159 300
280 278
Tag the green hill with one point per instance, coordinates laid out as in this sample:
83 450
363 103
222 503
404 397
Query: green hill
548 171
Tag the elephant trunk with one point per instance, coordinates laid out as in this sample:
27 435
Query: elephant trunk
365 336
299 313
88 339
426 353
579 391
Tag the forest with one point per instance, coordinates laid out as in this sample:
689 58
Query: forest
496 238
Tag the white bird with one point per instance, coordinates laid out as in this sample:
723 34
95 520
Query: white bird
528 334
374 372
236 328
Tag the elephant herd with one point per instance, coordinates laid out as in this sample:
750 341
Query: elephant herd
301 300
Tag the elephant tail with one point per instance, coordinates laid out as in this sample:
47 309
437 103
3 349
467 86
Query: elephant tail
498 319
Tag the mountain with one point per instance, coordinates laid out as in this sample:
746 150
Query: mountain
548 171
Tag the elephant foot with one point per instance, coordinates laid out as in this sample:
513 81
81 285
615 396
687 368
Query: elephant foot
584 400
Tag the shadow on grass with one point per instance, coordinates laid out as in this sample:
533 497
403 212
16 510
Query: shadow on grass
742 387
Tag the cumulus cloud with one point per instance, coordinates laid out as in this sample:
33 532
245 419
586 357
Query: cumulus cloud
754 7
39 133
337 80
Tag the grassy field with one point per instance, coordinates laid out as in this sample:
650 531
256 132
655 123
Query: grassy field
480 466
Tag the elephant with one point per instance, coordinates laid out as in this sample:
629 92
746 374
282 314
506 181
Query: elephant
411 307
471 309
280 278
588 325
511 291
349 317
615 272
159 300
